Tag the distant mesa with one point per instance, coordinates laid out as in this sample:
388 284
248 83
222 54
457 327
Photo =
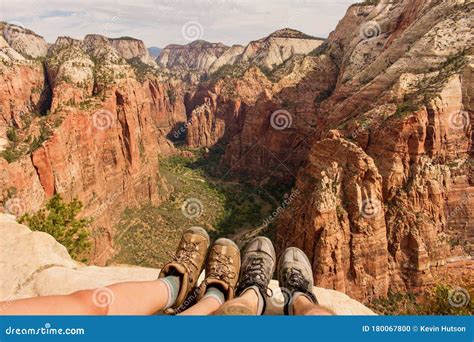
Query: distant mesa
268 52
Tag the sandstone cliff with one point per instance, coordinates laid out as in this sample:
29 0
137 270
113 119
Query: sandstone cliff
375 126
130 48
267 52
83 125
34 264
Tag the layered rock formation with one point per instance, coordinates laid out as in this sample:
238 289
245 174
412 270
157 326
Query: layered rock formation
268 52
34 264
198 55
100 136
130 48
375 126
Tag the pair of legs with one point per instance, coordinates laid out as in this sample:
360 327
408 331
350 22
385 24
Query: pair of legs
129 298
175 291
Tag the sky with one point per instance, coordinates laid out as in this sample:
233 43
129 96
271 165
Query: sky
162 22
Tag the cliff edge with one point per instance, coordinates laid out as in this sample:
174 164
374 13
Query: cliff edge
35 264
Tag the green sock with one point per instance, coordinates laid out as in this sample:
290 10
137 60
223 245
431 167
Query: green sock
173 285
214 292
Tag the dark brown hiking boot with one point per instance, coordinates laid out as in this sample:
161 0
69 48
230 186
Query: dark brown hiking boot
258 265
222 269
188 262
295 275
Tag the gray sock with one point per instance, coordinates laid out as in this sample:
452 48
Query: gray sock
173 285
213 292
261 301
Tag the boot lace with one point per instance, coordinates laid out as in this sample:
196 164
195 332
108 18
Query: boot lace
186 256
222 269
254 275
298 283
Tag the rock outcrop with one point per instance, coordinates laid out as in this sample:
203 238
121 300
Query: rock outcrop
24 41
34 264
198 55
268 52
380 114
130 48
100 136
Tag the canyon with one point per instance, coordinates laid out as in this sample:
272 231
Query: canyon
371 128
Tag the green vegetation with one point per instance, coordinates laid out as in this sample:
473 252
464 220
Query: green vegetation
435 301
148 235
142 70
320 50
59 219
11 135
430 85
368 3
171 94
405 108
36 129
11 154
228 70
45 134
125 38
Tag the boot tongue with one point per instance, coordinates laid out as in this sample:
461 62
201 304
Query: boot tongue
175 269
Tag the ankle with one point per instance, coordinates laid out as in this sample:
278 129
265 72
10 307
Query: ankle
254 300
299 304
215 293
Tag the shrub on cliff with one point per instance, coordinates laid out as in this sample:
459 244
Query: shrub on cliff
59 219
442 299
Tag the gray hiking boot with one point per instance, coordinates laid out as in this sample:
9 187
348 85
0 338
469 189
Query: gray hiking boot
258 265
295 274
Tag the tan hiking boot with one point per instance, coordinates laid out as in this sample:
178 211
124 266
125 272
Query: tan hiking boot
188 262
222 269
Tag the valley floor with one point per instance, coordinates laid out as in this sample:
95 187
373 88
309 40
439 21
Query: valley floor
147 236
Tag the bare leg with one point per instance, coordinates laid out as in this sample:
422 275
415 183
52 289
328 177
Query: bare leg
206 306
302 306
247 304
129 298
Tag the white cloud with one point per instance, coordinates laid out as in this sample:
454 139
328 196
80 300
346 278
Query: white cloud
160 22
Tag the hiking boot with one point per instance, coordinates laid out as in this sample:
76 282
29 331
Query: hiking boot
188 262
258 265
295 275
222 269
